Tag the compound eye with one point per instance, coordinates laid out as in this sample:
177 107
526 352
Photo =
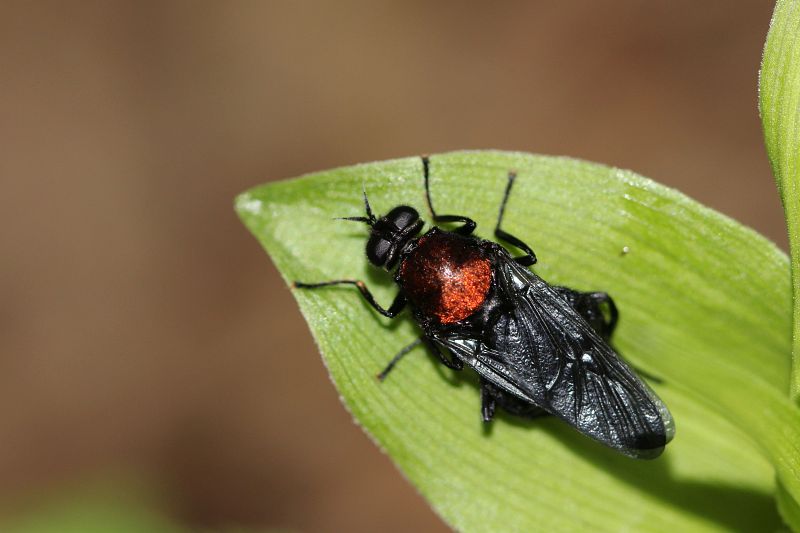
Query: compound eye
403 216
377 250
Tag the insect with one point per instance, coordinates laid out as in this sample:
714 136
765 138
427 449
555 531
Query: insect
538 349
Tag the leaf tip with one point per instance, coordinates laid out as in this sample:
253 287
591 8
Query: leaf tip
246 204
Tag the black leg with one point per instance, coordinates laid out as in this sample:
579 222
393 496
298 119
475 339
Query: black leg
599 299
455 364
488 402
383 373
493 396
600 311
397 305
469 224
597 308
529 258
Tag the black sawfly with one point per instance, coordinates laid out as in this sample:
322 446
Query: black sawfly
538 349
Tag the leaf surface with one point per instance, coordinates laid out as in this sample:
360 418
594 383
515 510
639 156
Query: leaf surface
779 106
705 305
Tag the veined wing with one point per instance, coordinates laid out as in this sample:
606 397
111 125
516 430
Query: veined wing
544 352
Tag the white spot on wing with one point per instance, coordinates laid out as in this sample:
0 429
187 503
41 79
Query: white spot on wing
466 344
519 282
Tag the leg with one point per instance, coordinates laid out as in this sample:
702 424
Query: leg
455 364
596 301
529 258
493 397
382 375
597 308
397 305
469 224
600 311
488 401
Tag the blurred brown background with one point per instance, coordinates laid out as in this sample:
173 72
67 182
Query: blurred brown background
143 330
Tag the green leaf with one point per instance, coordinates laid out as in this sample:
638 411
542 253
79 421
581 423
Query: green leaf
705 305
779 105
98 508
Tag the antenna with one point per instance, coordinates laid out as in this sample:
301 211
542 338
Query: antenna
369 219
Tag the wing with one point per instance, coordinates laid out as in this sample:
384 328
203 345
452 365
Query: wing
545 353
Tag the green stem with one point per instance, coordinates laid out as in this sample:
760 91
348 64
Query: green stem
779 105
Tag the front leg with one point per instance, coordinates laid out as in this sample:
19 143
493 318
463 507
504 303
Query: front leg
529 258
397 305
468 224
